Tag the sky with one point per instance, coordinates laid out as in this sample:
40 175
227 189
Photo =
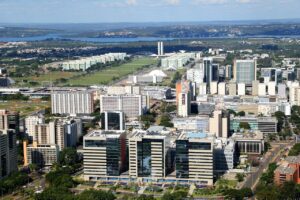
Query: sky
98 11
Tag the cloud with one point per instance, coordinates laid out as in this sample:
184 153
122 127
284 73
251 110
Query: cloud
245 1
131 2
210 1
172 2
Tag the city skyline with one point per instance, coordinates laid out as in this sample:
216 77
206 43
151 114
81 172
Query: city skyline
99 11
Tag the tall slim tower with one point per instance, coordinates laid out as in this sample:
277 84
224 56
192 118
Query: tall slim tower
160 48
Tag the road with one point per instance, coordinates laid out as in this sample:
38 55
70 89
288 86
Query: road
272 156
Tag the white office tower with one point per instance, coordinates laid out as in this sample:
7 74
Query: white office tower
30 123
184 104
262 89
72 102
293 92
241 89
202 89
133 106
222 89
195 74
160 48
272 88
8 153
232 89
255 88
244 71
213 87
113 121
219 124
281 90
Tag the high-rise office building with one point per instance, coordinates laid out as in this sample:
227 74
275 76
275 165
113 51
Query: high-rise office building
43 134
211 71
184 104
9 120
31 122
183 98
8 153
104 154
232 88
72 102
63 132
222 88
244 71
282 90
67 132
219 124
241 89
113 121
40 154
194 158
132 106
228 72
255 88
160 48
225 156
148 155
262 89
272 88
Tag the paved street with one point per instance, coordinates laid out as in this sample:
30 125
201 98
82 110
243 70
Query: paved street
272 156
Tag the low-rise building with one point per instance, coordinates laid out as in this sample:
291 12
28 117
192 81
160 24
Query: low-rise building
249 142
289 170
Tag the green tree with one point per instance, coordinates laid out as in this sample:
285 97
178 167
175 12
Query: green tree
55 193
266 192
96 195
245 125
295 150
69 157
241 113
166 121
239 177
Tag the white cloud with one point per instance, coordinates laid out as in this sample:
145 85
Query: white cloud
245 1
172 2
210 1
131 2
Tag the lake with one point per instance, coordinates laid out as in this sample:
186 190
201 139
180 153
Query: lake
83 39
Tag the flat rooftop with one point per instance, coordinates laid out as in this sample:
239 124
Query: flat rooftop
104 134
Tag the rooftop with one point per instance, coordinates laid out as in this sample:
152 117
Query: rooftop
104 134
293 159
283 169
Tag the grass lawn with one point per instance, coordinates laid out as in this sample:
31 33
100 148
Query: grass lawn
25 107
48 77
107 75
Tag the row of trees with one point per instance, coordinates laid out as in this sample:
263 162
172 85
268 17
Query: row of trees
14 181
17 96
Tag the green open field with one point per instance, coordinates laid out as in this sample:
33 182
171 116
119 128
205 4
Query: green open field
24 107
48 77
111 73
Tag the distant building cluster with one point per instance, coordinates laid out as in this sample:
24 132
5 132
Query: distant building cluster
85 63
177 61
